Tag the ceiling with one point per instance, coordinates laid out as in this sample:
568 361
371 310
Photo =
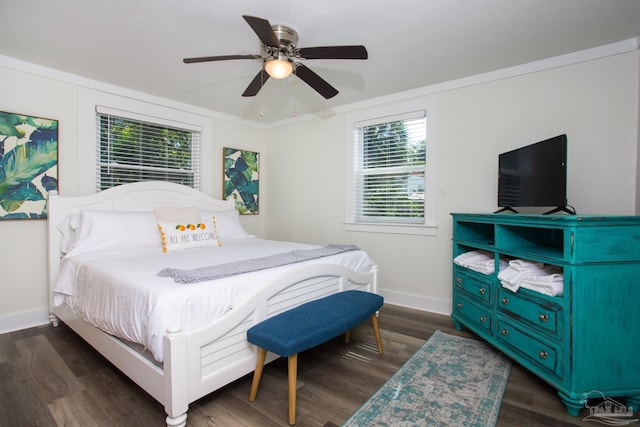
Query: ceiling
140 44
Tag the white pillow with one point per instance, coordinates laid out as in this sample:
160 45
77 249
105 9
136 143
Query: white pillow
178 214
67 228
227 224
95 229
176 236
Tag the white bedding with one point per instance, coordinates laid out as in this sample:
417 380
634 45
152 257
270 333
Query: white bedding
119 290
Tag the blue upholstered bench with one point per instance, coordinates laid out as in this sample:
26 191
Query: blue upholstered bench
307 326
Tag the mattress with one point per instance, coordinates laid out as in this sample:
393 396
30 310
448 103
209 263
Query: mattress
120 292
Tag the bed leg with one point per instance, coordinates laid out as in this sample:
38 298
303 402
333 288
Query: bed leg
179 421
55 322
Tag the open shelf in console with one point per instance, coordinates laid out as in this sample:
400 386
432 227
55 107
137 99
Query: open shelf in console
479 233
483 264
536 242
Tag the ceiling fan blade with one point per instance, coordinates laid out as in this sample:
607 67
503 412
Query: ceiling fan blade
219 58
315 81
256 84
334 52
263 30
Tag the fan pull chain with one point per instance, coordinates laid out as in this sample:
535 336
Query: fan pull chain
295 101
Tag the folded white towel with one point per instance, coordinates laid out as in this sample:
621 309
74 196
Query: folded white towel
522 265
466 258
487 266
510 278
512 287
551 288
543 280
480 261
546 279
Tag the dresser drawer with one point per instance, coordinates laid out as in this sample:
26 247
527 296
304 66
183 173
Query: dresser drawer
545 355
479 288
480 316
534 312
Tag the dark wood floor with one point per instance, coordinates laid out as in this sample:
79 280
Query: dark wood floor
50 377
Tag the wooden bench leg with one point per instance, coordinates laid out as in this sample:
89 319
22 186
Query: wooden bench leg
293 376
376 332
257 374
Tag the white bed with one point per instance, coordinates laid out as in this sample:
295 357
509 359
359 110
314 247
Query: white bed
198 356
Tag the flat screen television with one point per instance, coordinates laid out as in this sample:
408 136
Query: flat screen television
534 176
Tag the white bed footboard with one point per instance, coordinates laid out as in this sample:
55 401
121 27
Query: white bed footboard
219 354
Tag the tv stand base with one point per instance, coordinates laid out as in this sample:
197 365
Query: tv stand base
506 209
565 209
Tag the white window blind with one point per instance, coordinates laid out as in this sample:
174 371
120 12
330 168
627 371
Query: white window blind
135 148
389 169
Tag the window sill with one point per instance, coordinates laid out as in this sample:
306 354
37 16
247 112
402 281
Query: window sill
418 230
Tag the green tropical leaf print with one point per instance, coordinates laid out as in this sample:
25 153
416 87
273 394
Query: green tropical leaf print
20 166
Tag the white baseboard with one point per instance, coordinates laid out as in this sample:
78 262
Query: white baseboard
29 319
23 320
433 305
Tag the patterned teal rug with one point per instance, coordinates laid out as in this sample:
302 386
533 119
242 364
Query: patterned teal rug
450 381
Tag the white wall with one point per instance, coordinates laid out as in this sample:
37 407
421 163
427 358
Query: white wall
595 103
23 249
23 283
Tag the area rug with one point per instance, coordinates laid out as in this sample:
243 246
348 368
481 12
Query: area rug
450 381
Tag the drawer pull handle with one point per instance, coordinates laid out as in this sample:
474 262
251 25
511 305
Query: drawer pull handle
459 305
505 300
543 318
543 354
482 291
483 319
459 280
505 332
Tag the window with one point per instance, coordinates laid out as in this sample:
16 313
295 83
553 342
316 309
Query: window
392 184
142 109
144 149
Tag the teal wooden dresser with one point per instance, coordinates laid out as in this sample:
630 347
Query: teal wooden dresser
585 342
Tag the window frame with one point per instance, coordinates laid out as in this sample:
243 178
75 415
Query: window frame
90 101
386 114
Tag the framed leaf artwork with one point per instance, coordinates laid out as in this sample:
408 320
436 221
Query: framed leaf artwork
241 179
28 165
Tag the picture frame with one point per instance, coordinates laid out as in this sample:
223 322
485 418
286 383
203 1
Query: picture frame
241 179
28 165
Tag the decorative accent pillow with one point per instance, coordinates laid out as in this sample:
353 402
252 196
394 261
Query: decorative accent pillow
227 224
95 229
176 236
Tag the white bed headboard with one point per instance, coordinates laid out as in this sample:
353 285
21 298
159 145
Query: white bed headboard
138 196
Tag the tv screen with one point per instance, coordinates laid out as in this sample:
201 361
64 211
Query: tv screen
535 175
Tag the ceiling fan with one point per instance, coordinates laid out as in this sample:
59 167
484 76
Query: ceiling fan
279 54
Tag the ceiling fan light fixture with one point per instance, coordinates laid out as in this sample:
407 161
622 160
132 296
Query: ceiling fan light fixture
279 68
279 57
